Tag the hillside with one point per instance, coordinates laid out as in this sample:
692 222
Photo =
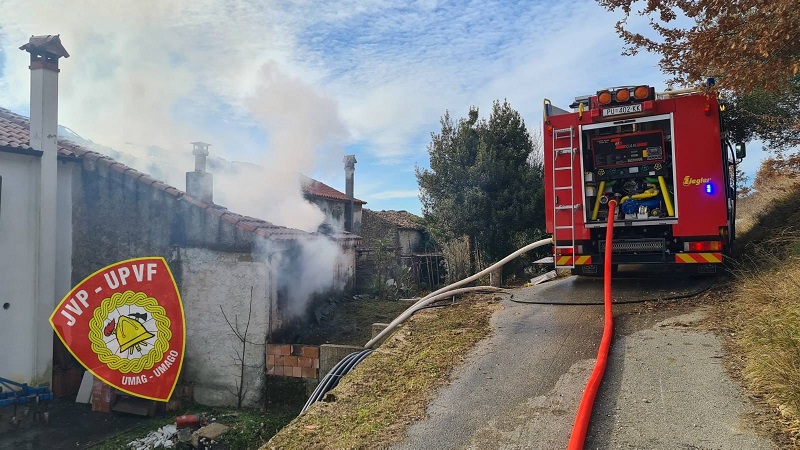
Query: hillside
761 318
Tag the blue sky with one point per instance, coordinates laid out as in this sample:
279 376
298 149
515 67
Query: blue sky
296 85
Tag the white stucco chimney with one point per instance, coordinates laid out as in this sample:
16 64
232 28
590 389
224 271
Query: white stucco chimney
45 52
200 184
349 169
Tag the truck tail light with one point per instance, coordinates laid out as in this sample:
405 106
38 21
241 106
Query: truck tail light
577 250
702 246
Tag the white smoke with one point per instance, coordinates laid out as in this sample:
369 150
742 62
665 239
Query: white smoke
310 266
303 127
151 73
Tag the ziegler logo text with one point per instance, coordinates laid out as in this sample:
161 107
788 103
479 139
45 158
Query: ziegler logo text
689 181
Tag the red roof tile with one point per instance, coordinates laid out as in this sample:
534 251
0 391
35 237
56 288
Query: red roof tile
15 136
316 188
194 202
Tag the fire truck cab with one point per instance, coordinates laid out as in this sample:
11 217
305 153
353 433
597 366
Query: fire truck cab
661 156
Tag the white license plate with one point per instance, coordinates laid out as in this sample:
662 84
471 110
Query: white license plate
627 109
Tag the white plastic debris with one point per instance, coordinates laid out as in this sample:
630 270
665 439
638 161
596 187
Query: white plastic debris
161 438
542 278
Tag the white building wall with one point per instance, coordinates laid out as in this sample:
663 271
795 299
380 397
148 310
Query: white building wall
22 324
18 209
66 178
210 279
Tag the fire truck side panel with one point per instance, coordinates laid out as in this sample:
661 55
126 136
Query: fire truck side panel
700 183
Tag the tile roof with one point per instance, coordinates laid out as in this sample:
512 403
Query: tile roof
402 219
319 189
15 136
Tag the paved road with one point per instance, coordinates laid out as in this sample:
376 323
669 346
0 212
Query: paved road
664 386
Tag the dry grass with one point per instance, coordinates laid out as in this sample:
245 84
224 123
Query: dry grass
750 210
373 405
765 320
764 316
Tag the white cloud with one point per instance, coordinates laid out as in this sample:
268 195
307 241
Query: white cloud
409 193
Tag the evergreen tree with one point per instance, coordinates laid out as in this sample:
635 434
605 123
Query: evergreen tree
485 182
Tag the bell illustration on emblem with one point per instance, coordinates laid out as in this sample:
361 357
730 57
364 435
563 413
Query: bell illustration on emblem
130 333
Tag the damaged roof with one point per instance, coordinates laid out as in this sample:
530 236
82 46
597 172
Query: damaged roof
403 219
15 138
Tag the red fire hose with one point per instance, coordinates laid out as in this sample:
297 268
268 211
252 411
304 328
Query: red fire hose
578 436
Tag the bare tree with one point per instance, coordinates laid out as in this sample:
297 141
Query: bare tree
239 359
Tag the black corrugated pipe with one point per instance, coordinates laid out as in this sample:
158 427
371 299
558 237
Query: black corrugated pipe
331 379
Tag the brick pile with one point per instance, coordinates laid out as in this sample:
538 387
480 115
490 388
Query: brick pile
298 361
103 396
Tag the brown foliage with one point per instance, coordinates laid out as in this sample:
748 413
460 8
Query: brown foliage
748 44
780 167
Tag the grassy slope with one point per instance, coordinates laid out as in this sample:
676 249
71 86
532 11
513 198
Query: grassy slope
763 317
375 403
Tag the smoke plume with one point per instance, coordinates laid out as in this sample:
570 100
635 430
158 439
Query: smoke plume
164 74
147 78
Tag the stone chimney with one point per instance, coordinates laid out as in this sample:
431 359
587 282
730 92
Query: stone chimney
349 169
200 184
45 52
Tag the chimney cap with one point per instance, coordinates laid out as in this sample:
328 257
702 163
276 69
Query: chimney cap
46 44
349 162
200 148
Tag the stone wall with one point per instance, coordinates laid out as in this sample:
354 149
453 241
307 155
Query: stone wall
216 283
117 217
374 228
410 241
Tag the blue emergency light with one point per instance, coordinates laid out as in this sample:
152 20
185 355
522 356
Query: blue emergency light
709 188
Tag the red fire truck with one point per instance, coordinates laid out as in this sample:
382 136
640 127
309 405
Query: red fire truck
662 157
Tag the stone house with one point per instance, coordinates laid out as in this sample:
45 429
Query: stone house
66 212
403 234
342 210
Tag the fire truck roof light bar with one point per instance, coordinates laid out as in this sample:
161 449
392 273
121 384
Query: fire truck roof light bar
625 94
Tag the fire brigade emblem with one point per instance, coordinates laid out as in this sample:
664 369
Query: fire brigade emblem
125 325
129 332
